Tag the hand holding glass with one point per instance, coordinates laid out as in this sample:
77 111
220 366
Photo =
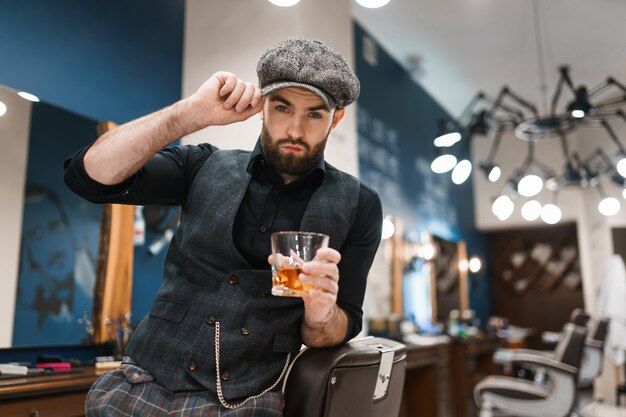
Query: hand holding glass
290 250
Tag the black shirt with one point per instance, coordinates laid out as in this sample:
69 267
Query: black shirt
267 206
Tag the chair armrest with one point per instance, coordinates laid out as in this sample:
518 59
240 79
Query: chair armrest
530 357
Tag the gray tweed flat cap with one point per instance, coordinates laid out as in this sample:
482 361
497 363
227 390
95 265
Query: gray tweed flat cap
308 64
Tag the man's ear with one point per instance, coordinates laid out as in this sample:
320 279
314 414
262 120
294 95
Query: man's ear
339 113
261 115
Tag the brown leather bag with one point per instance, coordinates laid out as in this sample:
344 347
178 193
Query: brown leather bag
364 378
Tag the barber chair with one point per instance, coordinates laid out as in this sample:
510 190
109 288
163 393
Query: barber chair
591 365
364 378
519 397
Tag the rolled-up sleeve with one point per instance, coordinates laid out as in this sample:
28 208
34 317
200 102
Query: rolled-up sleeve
163 180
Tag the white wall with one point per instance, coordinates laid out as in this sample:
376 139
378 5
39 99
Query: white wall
231 35
14 131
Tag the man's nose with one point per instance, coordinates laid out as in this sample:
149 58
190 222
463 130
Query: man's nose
296 129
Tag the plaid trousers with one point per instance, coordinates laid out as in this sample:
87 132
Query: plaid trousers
130 391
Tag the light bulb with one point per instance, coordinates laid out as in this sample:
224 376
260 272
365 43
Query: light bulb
461 172
494 174
372 4
447 140
624 193
3 109
530 185
463 265
428 252
284 3
621 167
503 207
443 163
388 228
28 96
551 213
609 206
475 264
531 210
578 114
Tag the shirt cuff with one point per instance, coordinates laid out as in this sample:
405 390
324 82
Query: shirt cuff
78 180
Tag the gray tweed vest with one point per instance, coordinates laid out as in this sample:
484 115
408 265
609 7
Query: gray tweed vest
207 280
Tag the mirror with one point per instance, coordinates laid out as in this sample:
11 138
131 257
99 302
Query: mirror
429 277
449 278
50 272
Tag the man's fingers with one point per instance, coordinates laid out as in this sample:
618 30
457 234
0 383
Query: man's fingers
322 268
228 82
246 98
324 283
328 255
235 95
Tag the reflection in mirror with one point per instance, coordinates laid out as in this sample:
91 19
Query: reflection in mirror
52 287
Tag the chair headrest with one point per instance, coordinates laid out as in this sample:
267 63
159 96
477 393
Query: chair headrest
599 330
570 348
579 317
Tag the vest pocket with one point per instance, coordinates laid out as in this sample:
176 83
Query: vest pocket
169 310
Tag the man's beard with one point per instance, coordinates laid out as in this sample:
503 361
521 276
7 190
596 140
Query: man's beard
287 163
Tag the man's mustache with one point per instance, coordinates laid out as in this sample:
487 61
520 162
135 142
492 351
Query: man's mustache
291 141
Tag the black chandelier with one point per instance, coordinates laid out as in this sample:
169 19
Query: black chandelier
597 107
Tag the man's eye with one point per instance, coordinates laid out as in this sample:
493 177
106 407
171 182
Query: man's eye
281 108
316 115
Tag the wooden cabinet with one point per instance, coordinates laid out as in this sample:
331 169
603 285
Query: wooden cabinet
471 360
61 395
427 384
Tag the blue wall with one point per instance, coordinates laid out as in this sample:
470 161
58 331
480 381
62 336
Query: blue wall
397 121
107 59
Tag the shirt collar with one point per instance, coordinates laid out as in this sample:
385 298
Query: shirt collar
257 156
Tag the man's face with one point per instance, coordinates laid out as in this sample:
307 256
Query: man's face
47 258
296 125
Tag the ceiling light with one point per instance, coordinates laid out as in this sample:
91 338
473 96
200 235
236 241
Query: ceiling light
284 3
461 172
621 167
448 134
28 96
372 4
503 207
447 139
475 264
570 107
624 193
531 210
551 213
530 185
388 228
609 206
580 106
3 108
443 163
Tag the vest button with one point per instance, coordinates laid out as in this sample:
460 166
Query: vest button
232 280
245 331
226 376
275 192
262 229
265 293
210 320
191 366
